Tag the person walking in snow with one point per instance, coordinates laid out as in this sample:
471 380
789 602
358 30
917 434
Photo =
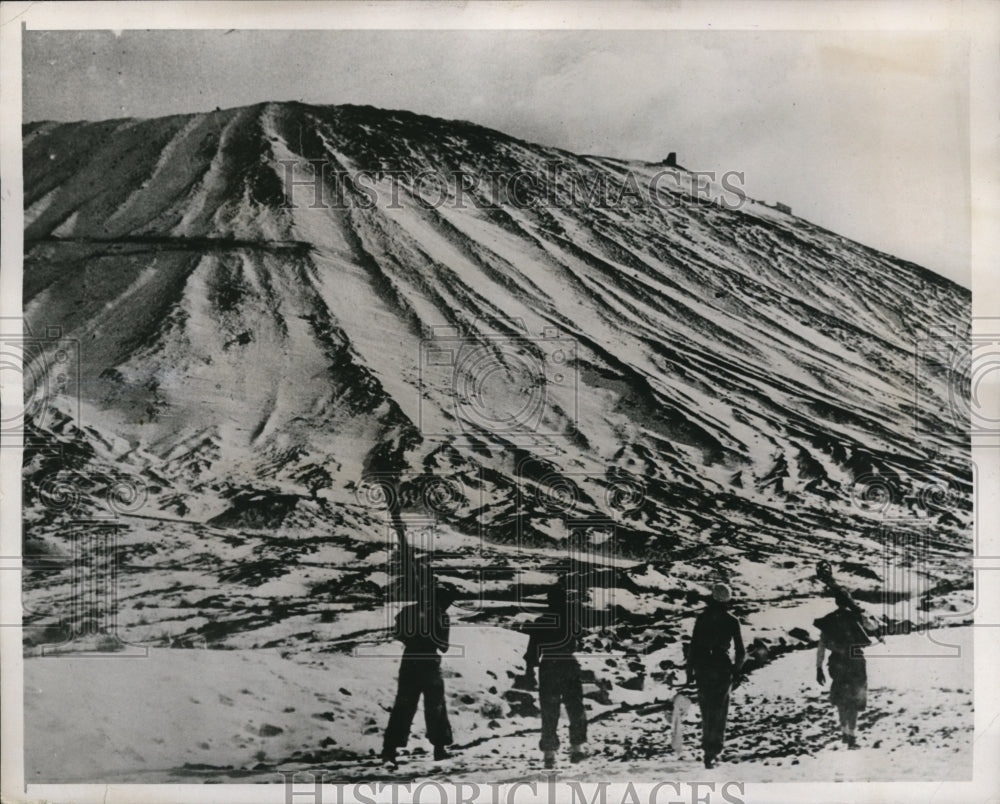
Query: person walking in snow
843 635
713 671
552 640
424 629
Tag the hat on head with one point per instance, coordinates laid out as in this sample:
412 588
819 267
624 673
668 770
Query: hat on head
445 594
721 593
556 596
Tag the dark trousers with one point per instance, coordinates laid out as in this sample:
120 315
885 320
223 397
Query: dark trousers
559 683
419 675
714 684
848 688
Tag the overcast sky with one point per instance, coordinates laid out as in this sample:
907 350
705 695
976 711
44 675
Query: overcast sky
863 133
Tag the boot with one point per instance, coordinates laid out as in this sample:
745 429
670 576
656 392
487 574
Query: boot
440 753
389 756
550 759
577 752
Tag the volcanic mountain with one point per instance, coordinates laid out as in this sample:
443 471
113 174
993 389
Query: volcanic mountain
278 322
263 342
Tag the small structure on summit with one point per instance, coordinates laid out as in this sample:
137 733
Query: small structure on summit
671 160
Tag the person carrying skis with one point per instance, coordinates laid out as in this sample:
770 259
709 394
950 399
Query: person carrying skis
710 667
552 640
843 634
423 628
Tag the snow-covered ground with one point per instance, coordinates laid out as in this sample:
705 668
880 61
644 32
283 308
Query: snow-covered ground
189 715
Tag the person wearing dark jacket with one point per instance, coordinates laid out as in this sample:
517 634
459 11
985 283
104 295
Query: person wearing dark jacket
843 634
712 670
424 629
552 640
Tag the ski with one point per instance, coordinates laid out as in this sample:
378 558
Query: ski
681 706
824 572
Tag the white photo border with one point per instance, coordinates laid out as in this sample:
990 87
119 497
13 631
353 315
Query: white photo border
979 21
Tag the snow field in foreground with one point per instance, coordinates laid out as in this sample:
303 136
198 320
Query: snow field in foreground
188 715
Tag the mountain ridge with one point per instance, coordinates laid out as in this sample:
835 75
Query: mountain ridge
31 127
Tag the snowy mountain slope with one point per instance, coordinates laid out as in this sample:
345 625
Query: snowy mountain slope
565 362
738 350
